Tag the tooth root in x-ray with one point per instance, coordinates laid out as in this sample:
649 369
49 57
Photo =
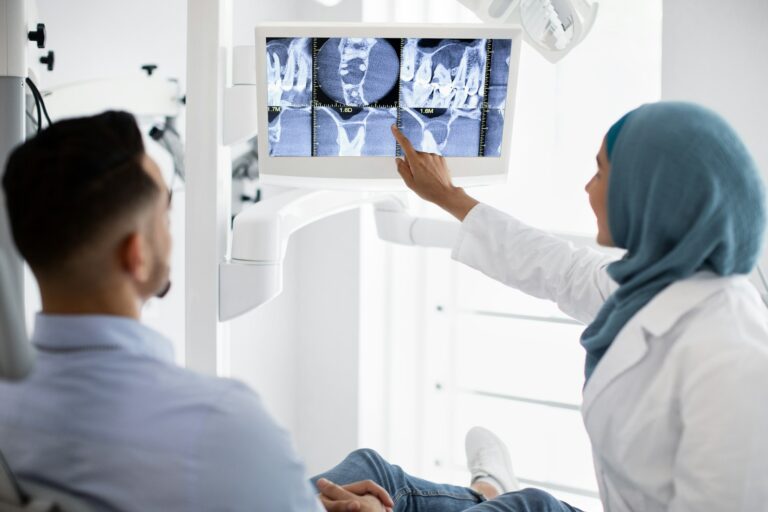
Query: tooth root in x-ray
444 73
363 132
290 132
357 71
289 72
447 132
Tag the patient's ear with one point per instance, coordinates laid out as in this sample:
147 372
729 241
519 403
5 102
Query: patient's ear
134 257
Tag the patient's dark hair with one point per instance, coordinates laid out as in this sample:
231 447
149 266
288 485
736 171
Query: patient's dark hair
73 182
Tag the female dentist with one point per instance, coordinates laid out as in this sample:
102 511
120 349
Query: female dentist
676 393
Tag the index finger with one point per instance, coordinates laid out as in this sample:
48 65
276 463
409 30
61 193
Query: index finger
410 152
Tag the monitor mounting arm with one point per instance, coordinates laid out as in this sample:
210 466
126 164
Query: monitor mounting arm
253 274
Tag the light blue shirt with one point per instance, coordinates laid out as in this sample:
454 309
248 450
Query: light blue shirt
107 415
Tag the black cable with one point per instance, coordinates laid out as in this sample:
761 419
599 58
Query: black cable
42 103
39 97
45 110
39 115
37 104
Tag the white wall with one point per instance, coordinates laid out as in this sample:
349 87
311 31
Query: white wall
112 38
715 53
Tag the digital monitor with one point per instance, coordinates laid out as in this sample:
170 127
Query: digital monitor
328 95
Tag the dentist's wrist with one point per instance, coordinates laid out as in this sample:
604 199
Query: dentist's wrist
458 203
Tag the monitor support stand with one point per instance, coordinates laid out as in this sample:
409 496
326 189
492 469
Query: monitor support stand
253 274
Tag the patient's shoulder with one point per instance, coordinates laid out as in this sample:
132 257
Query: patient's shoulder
221 403
242 438
239 436
220 393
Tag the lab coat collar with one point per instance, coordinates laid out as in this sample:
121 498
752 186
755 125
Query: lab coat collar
655 319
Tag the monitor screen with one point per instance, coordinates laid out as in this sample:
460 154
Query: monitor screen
338 96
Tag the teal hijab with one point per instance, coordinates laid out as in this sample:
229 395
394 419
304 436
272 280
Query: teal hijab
683 196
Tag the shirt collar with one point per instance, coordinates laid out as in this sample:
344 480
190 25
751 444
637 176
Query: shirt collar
99 332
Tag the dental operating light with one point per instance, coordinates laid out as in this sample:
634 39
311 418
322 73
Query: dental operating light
552 27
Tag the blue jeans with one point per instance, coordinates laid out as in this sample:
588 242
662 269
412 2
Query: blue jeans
412 494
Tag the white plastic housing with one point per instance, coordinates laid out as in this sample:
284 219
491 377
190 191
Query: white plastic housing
254 273
13 38
140 94
260 233
16 353
378 173
245 286
243 72
240 112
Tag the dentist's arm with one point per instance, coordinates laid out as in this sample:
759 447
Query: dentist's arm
506 249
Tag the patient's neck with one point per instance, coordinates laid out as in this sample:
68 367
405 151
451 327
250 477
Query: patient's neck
116 300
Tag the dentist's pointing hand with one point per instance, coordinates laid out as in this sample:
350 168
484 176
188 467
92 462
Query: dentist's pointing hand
427 174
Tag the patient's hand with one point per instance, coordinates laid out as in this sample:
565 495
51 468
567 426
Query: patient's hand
364 496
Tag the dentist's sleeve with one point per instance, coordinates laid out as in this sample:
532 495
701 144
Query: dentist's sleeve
534 262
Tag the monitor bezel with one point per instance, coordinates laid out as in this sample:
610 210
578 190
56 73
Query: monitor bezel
380 172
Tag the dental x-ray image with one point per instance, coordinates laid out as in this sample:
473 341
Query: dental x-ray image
290 131
443 73
447 132
357 72
339 96
289 72
355 131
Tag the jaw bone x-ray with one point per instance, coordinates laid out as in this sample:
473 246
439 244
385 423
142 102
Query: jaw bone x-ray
339 96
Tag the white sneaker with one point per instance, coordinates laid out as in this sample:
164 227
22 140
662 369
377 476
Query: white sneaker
488 460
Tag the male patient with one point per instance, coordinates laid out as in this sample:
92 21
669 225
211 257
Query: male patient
106 415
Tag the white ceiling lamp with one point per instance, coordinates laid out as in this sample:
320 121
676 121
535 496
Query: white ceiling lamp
553 27
329 3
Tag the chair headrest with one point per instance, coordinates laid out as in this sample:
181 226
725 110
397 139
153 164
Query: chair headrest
16 353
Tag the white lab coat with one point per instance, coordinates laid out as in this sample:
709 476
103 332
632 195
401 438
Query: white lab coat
677 409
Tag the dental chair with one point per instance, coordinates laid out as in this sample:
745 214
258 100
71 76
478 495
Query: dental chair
16 361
